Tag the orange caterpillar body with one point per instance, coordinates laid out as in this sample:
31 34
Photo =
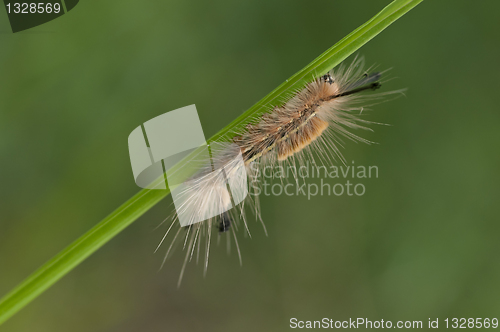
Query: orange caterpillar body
316 118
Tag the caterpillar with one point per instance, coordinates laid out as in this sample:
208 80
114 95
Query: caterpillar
311 124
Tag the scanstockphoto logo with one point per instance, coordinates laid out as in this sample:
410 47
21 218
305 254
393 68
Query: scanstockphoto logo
26 14
290 180
207 180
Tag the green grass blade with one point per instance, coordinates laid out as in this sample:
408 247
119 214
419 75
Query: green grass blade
113 224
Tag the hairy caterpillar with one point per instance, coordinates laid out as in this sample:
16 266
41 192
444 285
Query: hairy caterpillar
315 119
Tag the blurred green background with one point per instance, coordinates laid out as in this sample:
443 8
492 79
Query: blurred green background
423 242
